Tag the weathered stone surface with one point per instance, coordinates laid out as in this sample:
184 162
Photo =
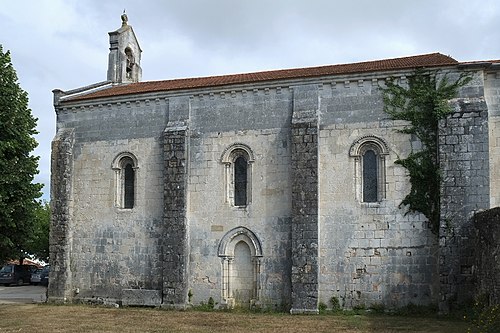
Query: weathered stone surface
304 236
486 267
141 297
465 190
175 251
304 217
305 201
62 215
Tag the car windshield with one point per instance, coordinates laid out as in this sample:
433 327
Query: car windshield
6 269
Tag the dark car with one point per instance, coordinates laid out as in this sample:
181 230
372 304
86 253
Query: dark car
35 277
16 274
44 276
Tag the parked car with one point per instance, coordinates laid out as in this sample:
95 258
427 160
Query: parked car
16 274
44 276
35 277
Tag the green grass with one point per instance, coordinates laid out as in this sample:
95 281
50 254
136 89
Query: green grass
81 318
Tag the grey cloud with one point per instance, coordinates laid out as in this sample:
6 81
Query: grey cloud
64 44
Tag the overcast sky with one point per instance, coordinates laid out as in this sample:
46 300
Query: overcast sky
64 43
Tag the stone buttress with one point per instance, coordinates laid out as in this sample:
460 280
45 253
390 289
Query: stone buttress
464 161
175 248
62 215
305 200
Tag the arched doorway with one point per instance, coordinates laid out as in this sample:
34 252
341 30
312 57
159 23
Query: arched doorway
241 275
240 251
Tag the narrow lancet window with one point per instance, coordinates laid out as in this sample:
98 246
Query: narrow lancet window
125 167
237 160
369 154
370 175
129 181
240 181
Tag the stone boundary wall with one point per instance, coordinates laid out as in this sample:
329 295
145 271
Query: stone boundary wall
487 255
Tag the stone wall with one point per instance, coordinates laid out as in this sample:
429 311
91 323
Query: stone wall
464 160
370 252
487 255
62 215
258 120
492 97
310 235
305 240
110 248
175 245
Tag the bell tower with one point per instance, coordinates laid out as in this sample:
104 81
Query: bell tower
124 64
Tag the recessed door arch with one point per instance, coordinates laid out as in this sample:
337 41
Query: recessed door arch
240 251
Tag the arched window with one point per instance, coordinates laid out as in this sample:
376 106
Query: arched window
238 160
369 168
240 181
370 176
129 186
125 167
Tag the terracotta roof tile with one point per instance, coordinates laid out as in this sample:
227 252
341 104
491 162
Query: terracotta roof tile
426 60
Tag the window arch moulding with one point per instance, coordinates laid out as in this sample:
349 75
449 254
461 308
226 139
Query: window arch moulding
233 236
369 153
237 160
125 166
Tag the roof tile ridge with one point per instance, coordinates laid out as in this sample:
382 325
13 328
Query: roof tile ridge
292 69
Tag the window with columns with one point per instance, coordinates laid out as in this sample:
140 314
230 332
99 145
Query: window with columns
237 160
369 154
125 167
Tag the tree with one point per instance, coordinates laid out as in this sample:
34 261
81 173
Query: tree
18 166
423 103
38 240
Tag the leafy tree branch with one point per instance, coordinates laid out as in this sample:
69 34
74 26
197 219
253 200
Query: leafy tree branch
422 103
18 166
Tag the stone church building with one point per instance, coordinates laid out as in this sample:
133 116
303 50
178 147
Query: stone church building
275 189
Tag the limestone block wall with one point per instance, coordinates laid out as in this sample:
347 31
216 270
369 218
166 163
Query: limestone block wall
174 240
116 248
492 97
60 239
113 248
464 159
304 234
257 120
370 252
305 200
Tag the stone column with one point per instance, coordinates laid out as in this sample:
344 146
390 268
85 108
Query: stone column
61 204
175 221
225 280
304 129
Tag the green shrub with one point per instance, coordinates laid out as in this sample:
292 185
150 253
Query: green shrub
209 306
484 318
335 303
378 307
322 307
